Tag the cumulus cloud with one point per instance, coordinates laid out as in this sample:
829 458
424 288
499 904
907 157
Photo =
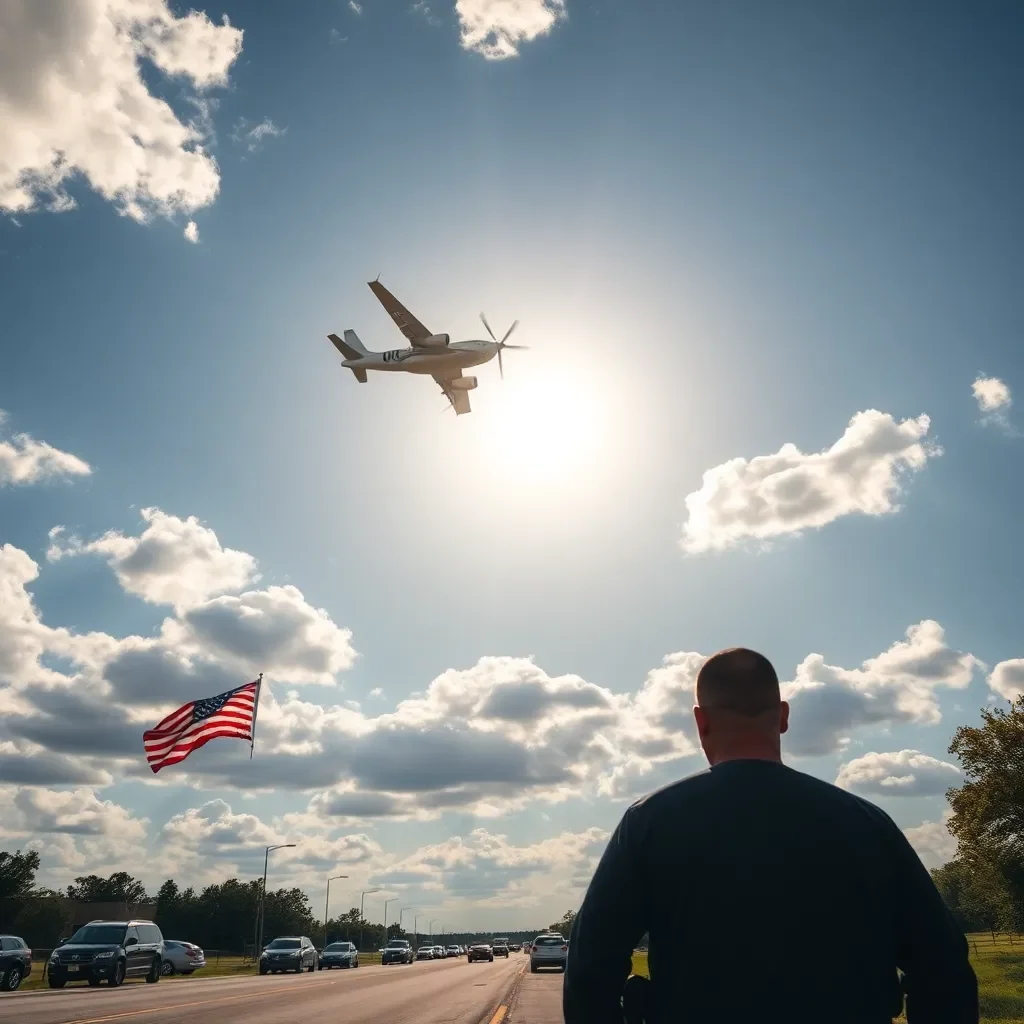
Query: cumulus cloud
497 28
24 460
899 773
897 686
173 561
790 491
1007 678
991 394
192 232
74 99
251 136
932 840
75 812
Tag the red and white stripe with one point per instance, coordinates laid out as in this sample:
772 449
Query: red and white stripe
177 735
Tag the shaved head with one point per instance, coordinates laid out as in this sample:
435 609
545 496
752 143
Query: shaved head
738 680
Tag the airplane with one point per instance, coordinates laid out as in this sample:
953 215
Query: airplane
433 354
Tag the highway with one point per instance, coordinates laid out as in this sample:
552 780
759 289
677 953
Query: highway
447 992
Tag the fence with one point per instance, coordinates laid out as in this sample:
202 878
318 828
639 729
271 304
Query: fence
995 942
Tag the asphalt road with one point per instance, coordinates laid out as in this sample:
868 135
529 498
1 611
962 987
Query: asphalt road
447 992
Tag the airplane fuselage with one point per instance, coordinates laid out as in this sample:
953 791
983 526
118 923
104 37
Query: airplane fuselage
440 361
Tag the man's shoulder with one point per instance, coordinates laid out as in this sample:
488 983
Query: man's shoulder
710 783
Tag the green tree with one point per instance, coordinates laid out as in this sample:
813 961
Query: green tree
17 873
120 887
564 927
988 815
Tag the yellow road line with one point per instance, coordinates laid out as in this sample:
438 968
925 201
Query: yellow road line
173 1006
499 1015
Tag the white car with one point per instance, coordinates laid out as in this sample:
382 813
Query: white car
548 950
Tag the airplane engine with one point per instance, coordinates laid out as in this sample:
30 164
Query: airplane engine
464 383
435 341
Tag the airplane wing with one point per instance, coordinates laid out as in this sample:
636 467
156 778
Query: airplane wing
413 330
458 397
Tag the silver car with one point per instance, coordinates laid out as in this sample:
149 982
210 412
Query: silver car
181 957
548 950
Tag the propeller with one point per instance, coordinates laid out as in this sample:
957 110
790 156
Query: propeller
503 344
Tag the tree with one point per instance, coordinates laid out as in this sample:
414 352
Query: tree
988 815
564 927
17 874
120 887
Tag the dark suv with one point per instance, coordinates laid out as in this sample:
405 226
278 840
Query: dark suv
15 962
289 953
397 951
108 950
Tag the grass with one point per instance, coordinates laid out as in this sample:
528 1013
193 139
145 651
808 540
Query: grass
224 967
998 963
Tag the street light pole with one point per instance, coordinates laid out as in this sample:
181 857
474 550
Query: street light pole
401 914
362 896
433 921
327 901
416 929
263 894
386 902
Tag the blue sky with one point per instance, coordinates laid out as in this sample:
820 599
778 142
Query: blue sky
724 230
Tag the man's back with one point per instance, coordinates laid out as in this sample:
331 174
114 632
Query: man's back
768 895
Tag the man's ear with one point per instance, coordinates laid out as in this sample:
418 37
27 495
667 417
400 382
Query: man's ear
783 717
701 718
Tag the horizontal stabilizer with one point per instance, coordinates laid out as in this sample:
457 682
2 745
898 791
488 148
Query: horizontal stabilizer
360 374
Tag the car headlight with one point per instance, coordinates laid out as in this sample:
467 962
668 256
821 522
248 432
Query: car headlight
104 956
264 955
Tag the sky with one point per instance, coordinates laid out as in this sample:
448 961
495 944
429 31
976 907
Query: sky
767 259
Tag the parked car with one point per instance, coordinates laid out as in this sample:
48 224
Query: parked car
108 951
425 953
500 947
397 951
548 950
338 954
181 957
15 962
481 951
288 953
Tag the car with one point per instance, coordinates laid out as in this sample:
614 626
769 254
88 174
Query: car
338 954
453 951
425 953
397 951
515 947
481 951
181 957
15 962
548 950
500 947
288 953
439 953
108 951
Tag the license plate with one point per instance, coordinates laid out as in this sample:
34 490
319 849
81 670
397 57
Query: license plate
73 969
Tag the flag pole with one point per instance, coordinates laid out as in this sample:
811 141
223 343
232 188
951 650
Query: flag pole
255 711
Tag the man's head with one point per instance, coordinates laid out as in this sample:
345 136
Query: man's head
739 710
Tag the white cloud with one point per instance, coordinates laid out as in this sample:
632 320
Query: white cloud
897 686
191 232
932 840
790 491
252 135
991 394
899 773
30 811
1007 678
497 28
423 8
173 561
23 460
357 8
73 99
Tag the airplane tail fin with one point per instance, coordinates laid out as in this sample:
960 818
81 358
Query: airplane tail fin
351 348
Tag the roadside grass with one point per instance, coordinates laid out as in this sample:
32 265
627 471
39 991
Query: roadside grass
999 964
224 967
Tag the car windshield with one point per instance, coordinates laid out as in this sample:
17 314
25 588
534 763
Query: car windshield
100 934
426 949
338 947
284 944
398 944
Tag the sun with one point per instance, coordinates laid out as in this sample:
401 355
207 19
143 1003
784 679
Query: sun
545 427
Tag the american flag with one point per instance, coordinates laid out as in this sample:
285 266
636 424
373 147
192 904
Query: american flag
228 714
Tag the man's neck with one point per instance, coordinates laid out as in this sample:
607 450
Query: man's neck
753 752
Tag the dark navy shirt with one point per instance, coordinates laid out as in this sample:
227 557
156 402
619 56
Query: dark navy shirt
768 895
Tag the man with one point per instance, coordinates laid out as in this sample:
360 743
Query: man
768 894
